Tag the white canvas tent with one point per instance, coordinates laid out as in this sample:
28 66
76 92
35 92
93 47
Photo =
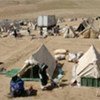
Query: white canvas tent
88 65
68 32
42 55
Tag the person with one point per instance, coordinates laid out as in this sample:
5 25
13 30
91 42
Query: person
29 31
41 31
43 75
56 30
15 32
16 87
66 31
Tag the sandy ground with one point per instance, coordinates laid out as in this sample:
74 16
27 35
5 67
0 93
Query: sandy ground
13 52
23 9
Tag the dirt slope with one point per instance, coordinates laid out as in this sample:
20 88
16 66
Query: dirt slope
32 8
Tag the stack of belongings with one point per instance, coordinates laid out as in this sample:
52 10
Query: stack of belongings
60 54
74 57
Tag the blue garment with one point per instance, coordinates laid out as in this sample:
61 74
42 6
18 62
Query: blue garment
17 87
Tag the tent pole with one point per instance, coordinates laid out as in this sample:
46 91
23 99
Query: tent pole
96 88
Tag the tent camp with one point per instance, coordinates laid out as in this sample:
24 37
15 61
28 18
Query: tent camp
87 71
42 55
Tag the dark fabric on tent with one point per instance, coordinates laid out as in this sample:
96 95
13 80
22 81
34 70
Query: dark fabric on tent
80 28
13 72
31 72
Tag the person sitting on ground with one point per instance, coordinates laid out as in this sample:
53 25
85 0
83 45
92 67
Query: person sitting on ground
43 75
16 87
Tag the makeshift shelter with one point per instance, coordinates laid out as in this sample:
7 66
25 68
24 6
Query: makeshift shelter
68 32
42 55
89 33
82 26
87 71
6 24
46 21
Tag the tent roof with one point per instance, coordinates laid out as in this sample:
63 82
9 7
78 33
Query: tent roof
88 63
42 55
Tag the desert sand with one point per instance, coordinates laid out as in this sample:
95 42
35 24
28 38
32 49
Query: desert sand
13 52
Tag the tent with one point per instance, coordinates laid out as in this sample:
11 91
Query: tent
87 71
5 24
46 21
89 33
42 55
69 32
82 26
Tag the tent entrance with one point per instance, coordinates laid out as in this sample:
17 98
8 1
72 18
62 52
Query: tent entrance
31 72
90 82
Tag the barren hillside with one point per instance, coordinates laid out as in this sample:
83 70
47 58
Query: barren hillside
32 8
